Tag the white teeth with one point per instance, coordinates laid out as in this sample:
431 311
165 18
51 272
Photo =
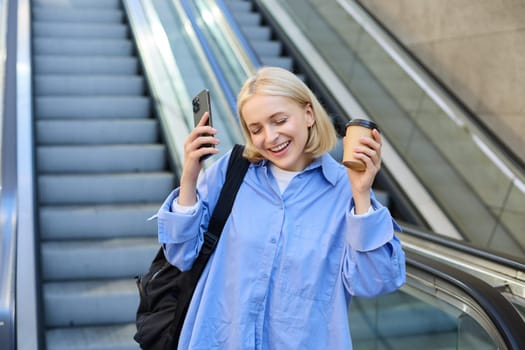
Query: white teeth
280 147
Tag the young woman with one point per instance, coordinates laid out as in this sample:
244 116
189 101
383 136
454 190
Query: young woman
304 235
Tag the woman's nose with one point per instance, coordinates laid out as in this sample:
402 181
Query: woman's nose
270 133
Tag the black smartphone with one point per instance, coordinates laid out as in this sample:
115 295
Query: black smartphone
201 104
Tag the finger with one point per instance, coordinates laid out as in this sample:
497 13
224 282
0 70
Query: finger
365 152
204 119
376 135
205 140
370 142
204 152
201 130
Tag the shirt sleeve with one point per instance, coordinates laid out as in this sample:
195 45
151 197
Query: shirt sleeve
374 261
181 229
371 230
182 209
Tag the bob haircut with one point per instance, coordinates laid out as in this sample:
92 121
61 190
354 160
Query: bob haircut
274 81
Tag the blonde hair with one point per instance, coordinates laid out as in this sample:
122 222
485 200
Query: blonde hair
274 81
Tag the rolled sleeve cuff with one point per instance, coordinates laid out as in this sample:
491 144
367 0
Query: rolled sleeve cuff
185 210
370 231
174 227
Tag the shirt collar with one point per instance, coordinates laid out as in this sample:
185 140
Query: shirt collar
327 164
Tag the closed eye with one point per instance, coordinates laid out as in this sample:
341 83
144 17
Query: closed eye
280 121
255 131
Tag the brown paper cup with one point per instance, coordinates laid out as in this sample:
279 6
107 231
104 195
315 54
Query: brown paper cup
355 129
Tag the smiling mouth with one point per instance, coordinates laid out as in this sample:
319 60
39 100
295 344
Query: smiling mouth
280 147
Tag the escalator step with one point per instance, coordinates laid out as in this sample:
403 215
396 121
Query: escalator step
247 18
94 85
93 107
97 4
104 188
90 259
90 302
114 337
56 64
257 32
101 159
77 222
239 6
101 132
68 30
60 14
82 47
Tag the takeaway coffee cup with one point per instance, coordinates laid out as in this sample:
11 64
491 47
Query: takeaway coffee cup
354 130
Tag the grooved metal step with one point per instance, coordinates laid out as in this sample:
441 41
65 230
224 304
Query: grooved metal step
107 337
60 14
104 188
93 107
259 35
82 47
97 221
97 302
80 30
57 64
94 85
97 132
78 4
89 259
101 159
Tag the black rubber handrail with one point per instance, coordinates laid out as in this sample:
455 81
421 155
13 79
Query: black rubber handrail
500 311
500 258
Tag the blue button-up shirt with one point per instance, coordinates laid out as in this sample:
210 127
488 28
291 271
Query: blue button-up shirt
286 265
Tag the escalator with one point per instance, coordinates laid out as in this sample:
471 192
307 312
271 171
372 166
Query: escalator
103 165
88 262
102 170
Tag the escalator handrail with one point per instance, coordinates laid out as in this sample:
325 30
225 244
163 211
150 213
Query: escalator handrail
8 204
501 312
163 75
28 296
500 258
229 94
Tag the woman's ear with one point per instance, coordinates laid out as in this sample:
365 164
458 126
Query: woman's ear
309 115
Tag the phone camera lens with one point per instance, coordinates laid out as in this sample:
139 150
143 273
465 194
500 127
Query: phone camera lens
196 104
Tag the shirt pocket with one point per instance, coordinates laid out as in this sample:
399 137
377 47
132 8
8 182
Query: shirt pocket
312 263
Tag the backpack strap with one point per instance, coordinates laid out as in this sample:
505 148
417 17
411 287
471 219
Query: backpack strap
237 167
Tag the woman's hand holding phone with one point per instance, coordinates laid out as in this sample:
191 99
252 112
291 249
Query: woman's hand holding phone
194 151
201 141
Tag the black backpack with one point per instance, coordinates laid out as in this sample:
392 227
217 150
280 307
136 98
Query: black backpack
165 291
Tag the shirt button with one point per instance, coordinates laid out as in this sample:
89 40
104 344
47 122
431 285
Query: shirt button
265 275
273 240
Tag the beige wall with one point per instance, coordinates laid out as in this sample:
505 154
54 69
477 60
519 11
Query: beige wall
476 47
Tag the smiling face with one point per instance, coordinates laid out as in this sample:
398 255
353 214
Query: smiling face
278 128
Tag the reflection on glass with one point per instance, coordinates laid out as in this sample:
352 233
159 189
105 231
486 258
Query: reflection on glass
472 336
399 321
